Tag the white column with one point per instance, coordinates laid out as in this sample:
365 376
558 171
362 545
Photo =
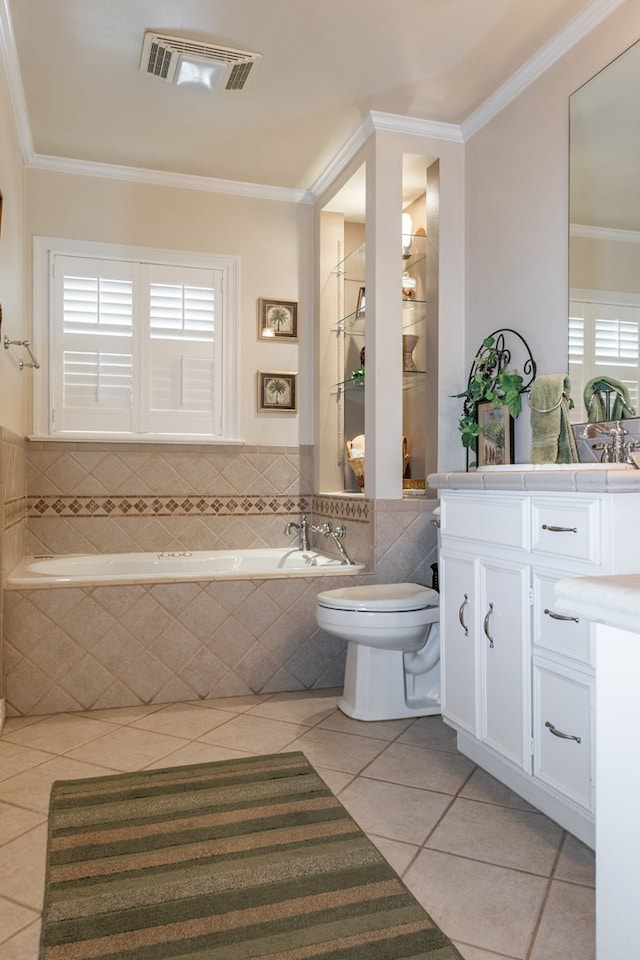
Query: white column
383 396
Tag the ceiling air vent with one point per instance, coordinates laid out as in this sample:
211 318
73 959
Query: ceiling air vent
181 61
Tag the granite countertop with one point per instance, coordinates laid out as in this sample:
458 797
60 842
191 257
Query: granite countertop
577 478
614 600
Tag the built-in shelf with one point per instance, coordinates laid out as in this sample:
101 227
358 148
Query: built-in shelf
410 378
413 312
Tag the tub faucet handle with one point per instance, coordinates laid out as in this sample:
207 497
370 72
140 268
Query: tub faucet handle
303 528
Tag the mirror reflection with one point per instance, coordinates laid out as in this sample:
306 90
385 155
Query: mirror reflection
604 242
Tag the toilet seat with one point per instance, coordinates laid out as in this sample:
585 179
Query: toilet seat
381 597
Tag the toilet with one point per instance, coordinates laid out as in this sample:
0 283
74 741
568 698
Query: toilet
393 653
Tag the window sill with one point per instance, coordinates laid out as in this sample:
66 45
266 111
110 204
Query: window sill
142 438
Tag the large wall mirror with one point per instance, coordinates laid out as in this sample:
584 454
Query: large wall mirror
604 242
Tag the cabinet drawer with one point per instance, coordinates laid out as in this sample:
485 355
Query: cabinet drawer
562 528
566 636
562 705
483 519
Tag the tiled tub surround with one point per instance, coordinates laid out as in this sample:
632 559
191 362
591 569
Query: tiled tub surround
119 498
13 499
13 519
92 647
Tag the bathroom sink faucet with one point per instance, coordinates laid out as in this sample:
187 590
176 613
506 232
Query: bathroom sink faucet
617 449
303 528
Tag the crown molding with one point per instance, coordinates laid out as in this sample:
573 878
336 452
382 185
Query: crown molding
111 171
603 233
340 160
395 123
376 120
578 28
563 41
34 161
14 81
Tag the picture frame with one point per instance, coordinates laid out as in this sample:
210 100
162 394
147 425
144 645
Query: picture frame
277 392
361 305
277 319
495 443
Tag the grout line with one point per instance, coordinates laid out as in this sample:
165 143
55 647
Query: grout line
348 775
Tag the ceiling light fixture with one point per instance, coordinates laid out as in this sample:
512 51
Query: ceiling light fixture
190 62
200 73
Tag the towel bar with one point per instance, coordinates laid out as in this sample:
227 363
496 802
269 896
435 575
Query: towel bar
27 345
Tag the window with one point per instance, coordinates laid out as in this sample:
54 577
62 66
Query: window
140 343
604 340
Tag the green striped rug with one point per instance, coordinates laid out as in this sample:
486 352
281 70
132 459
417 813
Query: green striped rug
248 858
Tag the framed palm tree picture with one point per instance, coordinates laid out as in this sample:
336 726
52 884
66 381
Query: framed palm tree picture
277 392
277 319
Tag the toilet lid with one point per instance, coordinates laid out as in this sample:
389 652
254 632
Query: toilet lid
380 596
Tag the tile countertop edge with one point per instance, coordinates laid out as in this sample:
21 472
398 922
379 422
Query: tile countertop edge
613 600
595 481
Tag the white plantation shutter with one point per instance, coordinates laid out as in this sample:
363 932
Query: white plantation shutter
93 345
577 359
137 347
183 379
604 340
616 341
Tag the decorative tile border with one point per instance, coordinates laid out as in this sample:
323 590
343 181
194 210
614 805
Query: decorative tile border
172 506
342 508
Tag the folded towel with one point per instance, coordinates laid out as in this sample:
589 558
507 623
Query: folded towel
607 399
552 439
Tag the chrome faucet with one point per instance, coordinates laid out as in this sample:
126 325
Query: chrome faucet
617 449
336 535
303 528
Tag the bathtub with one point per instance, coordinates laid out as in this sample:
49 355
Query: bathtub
174 566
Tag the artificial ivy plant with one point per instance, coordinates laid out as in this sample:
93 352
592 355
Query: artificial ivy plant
490 381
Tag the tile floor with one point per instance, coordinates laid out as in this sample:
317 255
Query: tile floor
501 879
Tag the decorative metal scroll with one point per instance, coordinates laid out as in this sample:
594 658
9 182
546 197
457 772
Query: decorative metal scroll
509 351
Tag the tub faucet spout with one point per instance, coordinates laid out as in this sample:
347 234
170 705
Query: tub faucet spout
303 530
336 535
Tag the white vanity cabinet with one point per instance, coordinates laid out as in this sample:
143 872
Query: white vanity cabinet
484 607
517 675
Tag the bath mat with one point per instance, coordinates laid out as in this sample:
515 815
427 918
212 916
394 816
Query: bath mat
237 859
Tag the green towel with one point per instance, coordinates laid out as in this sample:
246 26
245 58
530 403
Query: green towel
607 399
552 439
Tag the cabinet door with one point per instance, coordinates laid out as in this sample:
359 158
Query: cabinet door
563 719
458 651
505 657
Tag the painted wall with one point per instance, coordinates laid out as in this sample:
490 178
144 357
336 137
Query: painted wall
14 384
516 246
517 207
605 264
272 238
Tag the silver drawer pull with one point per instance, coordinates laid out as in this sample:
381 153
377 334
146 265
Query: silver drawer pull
461 614
551 529
559 616
559 733
486 625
